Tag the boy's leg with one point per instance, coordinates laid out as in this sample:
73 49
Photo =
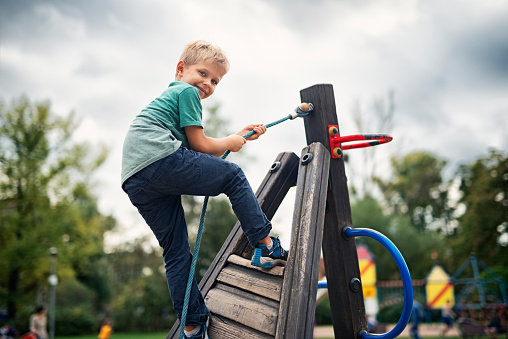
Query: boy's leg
187 172
206 175
165 216
203 174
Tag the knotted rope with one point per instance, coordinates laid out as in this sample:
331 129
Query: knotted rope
303 110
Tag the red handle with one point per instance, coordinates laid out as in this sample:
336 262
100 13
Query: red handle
337 143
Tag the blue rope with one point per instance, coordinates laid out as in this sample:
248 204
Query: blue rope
298 113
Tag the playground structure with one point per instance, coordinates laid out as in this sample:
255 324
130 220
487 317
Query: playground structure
474 292
250 302
473 287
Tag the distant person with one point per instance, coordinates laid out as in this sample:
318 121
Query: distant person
8 332
166 154
416 318
372 323
38 323
447 318
495 327
106 329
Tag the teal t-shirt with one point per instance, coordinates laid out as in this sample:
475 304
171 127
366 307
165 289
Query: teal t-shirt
158 130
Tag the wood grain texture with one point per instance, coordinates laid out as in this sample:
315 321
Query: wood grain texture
245 308
233 330
298 300
340 256
253 281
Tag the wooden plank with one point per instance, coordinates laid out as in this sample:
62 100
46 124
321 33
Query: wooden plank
253 281
245 308
270 194
233 330
298 300
237 260
341 260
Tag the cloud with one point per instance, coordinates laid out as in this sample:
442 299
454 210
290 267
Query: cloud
446 62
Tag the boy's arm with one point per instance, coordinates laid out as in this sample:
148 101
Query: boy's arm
199 142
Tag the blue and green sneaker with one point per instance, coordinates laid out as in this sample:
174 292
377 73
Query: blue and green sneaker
265 258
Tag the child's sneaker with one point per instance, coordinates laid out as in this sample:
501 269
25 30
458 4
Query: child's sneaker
265 258
202 334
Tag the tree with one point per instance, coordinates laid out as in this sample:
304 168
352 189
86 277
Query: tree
417 188
416 247
483 227
44 201
141 300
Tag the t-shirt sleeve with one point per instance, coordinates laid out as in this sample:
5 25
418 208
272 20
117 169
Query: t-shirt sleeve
189 106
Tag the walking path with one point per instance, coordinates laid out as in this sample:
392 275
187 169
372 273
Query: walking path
432 330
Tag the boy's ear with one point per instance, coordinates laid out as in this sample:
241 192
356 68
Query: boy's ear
179 68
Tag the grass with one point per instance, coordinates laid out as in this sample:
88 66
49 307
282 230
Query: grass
120 336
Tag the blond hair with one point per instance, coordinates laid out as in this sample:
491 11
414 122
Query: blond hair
198 51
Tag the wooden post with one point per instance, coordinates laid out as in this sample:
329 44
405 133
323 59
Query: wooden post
340 256
298 298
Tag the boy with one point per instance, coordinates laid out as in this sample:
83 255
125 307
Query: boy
166 154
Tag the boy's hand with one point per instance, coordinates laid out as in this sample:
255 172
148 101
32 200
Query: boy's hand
236 142
258 128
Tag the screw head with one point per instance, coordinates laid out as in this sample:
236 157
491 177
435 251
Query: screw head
275 167
355 285
307 157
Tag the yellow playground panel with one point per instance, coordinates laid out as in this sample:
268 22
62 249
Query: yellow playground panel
439 288
367 271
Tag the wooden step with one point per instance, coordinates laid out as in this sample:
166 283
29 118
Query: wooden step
246 308
229 329
241 274
237 260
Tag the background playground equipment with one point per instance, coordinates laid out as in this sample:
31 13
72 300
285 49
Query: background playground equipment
477 287
369 279
474 291
250 302
439 288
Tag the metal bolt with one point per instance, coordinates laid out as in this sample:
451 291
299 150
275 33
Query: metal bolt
355 285
275 167
307 158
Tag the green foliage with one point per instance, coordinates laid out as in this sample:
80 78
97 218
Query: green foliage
74 321
484 187
44 202
416 188
141 299
323 312
416 248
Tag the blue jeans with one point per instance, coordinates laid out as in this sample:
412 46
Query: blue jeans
413 332
156 192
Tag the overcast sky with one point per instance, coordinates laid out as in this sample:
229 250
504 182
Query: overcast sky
445 61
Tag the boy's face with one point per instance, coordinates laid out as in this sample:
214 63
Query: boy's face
204 75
